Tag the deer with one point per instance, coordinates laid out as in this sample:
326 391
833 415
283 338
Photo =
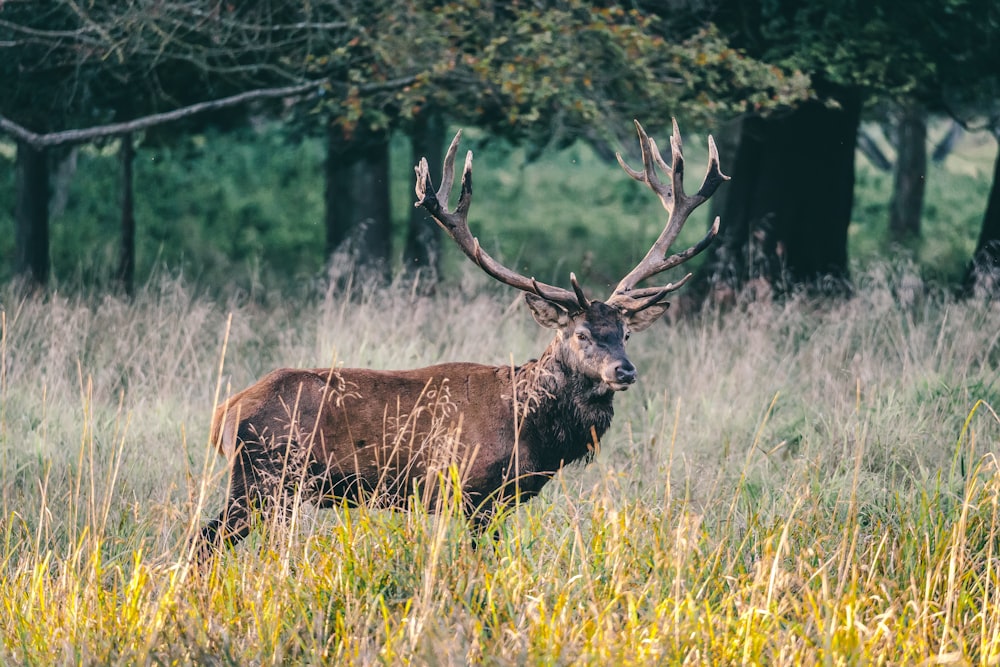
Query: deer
357 435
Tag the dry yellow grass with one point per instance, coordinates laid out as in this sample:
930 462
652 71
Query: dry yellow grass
789 484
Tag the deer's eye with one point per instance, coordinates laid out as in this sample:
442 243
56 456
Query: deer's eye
627 335
581 336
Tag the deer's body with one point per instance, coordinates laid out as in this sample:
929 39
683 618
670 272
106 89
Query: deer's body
359 435
354 434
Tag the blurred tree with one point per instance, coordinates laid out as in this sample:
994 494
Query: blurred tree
423 237
38 91
909 172
969 89
31 214
539 72
983 273
358 224
787 209
111 68
925 53
125 273
789 204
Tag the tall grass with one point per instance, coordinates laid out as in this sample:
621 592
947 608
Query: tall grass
788 484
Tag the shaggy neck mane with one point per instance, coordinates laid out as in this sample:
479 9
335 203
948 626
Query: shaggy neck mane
560 411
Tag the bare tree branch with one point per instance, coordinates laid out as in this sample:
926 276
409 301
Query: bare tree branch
77 136
48 34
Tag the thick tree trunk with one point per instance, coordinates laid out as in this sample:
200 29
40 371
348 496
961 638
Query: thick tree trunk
423 237
811 187
789 203
31 215
983 274
358 223
126 252
907 203
338 192
371 190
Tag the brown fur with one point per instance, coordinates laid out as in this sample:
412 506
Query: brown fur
360 435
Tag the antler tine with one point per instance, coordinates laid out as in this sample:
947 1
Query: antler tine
448 170
637 300
456 225
713 174
650 155
580 296
658 157
678 206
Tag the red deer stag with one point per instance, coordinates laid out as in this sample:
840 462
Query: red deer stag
357 435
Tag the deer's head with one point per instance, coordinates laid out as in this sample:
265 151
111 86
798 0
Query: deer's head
591 334
591 341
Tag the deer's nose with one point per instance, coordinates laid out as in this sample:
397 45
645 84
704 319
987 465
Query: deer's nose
625 373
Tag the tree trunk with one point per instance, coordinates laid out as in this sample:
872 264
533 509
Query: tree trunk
31 215
983 274
337 192
789 203
907 202
358 223
126 252
423 237
371 191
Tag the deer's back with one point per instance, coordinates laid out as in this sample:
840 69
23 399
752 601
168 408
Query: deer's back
344 411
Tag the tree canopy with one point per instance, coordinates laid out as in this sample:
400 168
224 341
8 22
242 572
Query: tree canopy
539 73
794 182
517 67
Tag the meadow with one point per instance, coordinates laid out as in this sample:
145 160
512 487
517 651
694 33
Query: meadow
788 483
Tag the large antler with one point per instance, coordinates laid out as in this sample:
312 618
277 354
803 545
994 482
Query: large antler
678 206
456 224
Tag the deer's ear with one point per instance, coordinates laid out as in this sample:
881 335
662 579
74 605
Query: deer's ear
546 313
645 317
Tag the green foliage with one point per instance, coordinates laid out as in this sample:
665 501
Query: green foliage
261 209
550 71
842 42
943 53
226 209
520 68
247 208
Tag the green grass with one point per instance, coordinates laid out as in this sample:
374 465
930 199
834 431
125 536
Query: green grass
956 191
787 484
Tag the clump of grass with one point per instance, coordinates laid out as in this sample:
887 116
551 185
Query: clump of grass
789 483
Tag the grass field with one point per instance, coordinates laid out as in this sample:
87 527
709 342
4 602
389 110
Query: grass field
787 484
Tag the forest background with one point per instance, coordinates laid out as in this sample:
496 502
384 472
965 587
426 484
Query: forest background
248 145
